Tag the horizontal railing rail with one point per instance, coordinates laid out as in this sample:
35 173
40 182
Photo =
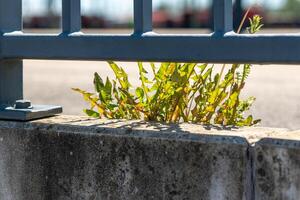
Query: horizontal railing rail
222 46
230 48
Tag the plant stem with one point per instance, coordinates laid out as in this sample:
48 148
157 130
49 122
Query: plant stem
243 21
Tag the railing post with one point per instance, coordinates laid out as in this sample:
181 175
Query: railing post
11 71
223 16
12 105
142 16
71 16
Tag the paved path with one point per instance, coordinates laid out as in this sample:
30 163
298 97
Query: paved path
277 88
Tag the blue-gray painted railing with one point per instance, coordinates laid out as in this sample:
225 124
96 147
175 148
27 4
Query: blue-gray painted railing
222 46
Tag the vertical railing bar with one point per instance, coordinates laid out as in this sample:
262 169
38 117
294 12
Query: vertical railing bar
142 16
71 16
223 16
10 21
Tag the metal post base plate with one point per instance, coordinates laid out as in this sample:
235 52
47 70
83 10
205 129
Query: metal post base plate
34 112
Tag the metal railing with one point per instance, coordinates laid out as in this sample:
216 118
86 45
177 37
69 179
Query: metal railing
221 46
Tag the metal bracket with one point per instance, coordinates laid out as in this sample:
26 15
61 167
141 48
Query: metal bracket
11 89
24 111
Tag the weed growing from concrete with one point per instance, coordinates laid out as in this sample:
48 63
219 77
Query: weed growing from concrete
188 92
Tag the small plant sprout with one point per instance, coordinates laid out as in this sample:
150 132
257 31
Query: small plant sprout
255 24
189 92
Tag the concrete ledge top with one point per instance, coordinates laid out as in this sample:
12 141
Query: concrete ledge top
182 131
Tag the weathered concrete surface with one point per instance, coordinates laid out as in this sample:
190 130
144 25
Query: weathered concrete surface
77 158
277 167
67 157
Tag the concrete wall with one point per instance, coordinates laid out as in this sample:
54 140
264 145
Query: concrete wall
67 157
277 168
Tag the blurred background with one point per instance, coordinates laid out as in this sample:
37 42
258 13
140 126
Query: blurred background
167 13
276 87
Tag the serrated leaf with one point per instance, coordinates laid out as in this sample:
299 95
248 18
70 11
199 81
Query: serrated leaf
98 82
91 113
139 93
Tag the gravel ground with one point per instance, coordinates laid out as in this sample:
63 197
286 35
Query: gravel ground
275 86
